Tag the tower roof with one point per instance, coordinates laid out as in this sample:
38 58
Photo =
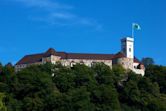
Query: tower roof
50 52
127 39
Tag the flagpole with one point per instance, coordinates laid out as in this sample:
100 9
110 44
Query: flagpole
132 30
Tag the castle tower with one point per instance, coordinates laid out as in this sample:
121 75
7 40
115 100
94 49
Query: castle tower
127 47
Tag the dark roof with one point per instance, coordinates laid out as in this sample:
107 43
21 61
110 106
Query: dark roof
38 57
63 55
49 52
119 55
136 60
31 59
90 56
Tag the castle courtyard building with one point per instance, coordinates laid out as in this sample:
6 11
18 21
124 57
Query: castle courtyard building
125 58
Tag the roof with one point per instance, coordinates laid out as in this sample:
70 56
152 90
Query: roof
49 52
90 56
119 55
29 59
136 60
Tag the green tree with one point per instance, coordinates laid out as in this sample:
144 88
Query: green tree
105 98
119 73
64 79
2 106
1 68
145 84
147 61
6 72
84 76
157 74
103 73
79 100
130 92
32 87
51 87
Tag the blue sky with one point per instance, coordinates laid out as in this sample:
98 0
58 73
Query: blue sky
86 26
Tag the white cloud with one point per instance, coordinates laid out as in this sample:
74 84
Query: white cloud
47 4
62 15
58 13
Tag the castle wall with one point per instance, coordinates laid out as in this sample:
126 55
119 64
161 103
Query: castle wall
139 71
65 62
127 63
22 66
71 62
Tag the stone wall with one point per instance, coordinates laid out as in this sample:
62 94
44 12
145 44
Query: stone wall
22 66
71 62
127 63
139 71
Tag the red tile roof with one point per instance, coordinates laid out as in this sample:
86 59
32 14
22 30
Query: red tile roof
90 56
29 59
119 55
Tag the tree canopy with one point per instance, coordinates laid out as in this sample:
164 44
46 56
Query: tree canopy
51 87
147 61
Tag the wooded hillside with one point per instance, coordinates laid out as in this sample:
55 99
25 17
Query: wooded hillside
80 88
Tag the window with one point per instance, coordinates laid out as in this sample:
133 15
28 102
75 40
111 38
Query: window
129 49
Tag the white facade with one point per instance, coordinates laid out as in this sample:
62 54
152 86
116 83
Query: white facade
127 47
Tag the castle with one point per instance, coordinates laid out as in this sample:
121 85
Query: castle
125 58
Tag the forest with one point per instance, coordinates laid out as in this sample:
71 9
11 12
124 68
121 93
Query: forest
55 87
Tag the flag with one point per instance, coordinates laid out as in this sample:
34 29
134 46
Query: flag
136 26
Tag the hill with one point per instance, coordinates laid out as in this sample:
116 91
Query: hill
80 88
